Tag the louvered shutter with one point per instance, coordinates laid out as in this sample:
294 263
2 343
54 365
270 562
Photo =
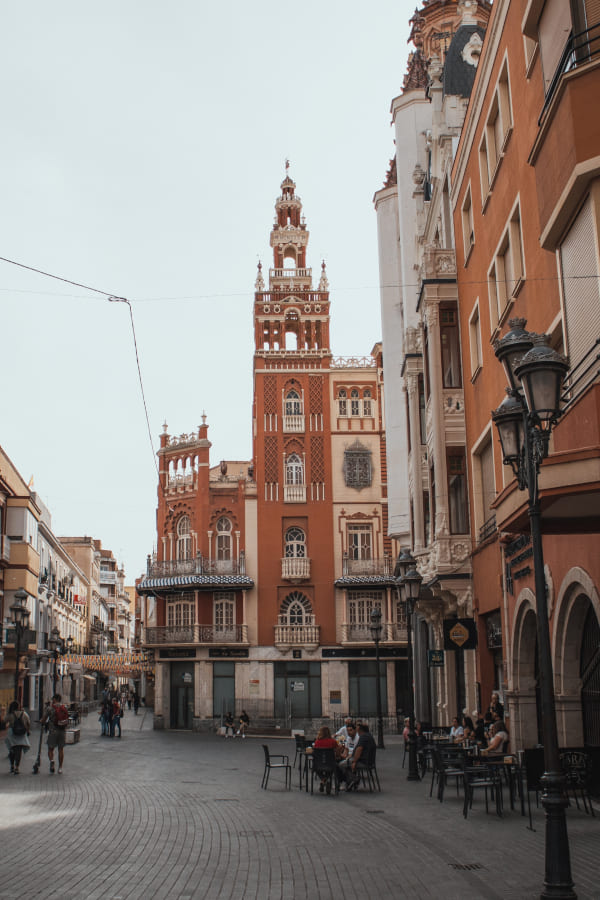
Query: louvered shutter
579 263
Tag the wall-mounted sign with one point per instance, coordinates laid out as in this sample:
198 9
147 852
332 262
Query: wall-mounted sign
460 634
297 654
187 677
335 696
296 685
177 653
435 658
228 653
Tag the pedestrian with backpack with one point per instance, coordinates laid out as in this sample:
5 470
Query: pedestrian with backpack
17 739
57 719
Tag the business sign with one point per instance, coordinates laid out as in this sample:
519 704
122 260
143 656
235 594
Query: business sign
335 697
460 634
28 637
296 685
435 658
228 653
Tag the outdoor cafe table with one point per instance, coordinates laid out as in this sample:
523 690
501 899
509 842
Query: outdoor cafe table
304 761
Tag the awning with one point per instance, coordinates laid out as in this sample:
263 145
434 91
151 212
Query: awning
90 677
243 582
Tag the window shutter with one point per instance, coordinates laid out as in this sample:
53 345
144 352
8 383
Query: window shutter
580 284
592 12
553 29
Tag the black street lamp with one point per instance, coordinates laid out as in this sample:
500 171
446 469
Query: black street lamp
21 619
524 421
409 583
376 628
55 643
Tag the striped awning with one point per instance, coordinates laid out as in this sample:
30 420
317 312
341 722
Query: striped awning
193 581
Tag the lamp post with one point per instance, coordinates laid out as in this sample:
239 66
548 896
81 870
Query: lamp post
409 582
376 628
525 419
21 619
54 642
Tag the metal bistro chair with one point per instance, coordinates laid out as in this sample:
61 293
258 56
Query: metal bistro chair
443 770
577 768
477 777
324 767
301 744
367 771
283 764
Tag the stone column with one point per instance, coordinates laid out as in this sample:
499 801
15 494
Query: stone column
436 420
412 386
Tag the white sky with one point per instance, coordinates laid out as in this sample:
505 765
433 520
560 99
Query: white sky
143 146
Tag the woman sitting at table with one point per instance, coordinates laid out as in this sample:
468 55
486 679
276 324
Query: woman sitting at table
324 741
499 738
480 736
468 730
456 732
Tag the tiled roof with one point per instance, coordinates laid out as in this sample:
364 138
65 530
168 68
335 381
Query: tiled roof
357 580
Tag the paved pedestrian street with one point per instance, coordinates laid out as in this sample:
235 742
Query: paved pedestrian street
179 815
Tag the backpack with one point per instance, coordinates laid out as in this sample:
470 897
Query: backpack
18 728
61 716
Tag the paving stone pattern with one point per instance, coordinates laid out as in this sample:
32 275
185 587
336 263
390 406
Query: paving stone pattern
176 815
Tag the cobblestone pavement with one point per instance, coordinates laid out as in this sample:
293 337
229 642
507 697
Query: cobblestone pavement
180 816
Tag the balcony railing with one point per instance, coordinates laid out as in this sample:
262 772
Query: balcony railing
294 493
199 565
195 634
580 49
392 631
488 528
383 566
290 273
293 424
296 635
295 568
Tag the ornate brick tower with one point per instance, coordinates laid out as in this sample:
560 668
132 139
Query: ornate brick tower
292 439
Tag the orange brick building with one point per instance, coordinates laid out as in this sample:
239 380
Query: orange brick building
526 198
259 595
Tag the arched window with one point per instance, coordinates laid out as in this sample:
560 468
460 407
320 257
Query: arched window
184 538
342 402
223 538
295 543
367 405
296 610
293 403
294 470
354 403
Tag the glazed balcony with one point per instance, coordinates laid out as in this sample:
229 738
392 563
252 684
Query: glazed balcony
194 635
287 636
295 568
198 565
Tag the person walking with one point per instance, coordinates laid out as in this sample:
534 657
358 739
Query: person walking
57 719
116 717
17 739
136 702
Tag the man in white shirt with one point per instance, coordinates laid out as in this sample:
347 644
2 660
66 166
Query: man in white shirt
456 731
349 748
343 732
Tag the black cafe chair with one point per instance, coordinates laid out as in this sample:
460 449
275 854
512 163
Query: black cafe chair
270 763
443 769
301 744
367 771
324 767
484 778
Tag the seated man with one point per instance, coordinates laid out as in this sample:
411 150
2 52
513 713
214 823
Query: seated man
365 751
348 752
343 731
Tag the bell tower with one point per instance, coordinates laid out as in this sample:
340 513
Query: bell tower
292 439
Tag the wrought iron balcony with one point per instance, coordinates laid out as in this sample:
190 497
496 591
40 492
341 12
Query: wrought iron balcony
195 634
199 565
295 568
296 636
361 634
383 566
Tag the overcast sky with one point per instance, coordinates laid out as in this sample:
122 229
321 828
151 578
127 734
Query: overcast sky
143 145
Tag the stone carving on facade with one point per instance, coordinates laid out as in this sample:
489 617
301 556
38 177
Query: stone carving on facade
464 602
432 315
183 439
412 384
472 50
413 340
461 551
441 523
